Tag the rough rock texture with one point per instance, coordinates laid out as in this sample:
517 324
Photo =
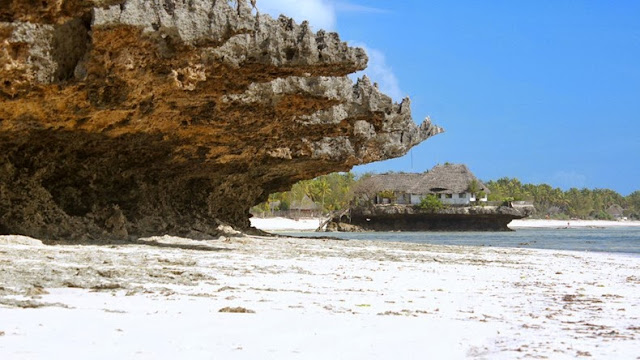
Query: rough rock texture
335 226
142 117
408 218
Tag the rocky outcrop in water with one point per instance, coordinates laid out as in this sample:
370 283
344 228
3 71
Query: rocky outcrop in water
141 117
410 218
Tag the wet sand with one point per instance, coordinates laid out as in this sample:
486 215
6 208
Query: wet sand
257 297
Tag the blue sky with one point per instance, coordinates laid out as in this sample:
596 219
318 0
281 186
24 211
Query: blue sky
547 91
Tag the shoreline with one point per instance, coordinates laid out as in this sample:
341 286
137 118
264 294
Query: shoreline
311 224
286 224
543 223
367 299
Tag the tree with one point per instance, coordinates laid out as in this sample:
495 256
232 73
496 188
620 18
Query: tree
322 188
633 204
430 203
474 187
335 191
387 194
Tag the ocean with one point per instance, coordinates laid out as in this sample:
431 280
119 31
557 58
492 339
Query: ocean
615 239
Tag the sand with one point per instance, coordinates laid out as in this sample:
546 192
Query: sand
286 224
284 298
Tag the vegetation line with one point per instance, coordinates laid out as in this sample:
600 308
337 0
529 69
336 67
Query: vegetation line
334 192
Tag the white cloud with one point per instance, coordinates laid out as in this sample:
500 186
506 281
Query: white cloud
321 14
348 7
379 71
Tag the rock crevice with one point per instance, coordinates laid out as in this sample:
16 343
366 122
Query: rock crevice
143 117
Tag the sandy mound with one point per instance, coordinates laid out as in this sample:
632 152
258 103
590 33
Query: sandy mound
19 240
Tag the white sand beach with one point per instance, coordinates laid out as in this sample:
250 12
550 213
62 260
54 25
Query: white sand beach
286 224
286 298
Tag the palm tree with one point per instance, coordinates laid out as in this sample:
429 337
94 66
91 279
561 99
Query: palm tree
323 189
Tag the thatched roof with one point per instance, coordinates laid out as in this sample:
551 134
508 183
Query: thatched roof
447 179
615 210
396 182
442 179
305 204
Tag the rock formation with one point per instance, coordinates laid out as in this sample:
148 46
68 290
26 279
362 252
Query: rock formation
124 118
409 218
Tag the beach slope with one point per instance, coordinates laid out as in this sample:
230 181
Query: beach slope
253 297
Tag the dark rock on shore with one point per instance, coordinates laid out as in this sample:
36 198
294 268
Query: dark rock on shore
337 226
408 218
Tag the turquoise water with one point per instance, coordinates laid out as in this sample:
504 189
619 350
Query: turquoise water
618 240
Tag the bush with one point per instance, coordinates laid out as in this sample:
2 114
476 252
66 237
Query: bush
560 216
507 200
430 203
603 215
388 194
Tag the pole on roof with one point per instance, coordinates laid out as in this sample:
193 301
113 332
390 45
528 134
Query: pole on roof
411 151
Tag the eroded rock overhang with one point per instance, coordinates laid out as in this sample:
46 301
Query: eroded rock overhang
145 117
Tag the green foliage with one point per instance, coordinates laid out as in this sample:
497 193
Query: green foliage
430 203
603 215
330 192
560 216
558 204
633 205
387 194
474 187
335 192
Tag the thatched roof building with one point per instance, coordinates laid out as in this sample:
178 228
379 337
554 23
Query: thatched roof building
447 179
616 211
398 182
442 179
305 204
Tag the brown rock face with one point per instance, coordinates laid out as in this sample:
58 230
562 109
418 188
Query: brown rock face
145 117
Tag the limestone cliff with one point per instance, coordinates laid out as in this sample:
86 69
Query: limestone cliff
141 117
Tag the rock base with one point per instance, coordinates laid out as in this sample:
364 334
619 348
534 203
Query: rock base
432 222
408 218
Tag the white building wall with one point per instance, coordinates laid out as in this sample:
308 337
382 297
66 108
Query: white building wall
474 198
484 198
456 199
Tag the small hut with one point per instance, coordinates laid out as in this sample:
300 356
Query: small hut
304 207
616 211
386 188
453 184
